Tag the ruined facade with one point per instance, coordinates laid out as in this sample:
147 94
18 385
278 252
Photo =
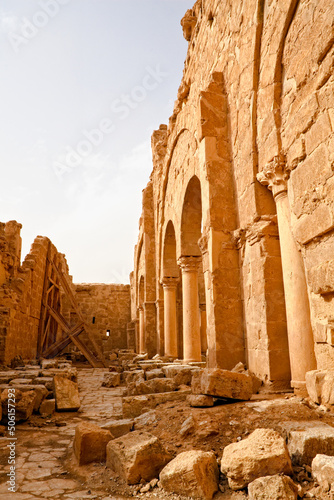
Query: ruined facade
236 242
36 311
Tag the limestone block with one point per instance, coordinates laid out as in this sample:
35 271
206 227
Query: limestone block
181 374
314 382
66 394
307 439
24 403
309 226
46 381
263 453
48 407
18 381
193 474
321 278
272 488
133 406
111 379
327 392
40 391
323 469
6 376
200 400
148 418
156 373
90 442
136 456
224 384
133 376
119 427
49 363
153 386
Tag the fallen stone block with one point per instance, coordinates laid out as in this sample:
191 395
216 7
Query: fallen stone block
193 474
200 400
46 381
46 364
128 377
181 374
119 427
308 439
20 381
156 373
272 488
90 443
47 407
24 404
314 382
40 391
70 373
153 386
29 374
7 376
223 383
323 470
262 453
66 394
137 456
150 417
133 406
111 379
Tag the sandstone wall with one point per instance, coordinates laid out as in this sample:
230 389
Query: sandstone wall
256 94
21 288
109 305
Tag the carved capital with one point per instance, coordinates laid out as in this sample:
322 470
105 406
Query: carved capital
203 243
169 282
275 175
189 264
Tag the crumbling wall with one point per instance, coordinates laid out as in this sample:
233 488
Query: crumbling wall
106 308
21 288
255 108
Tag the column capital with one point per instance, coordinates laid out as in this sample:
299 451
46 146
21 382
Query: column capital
140 308
275 175
170 282
189 264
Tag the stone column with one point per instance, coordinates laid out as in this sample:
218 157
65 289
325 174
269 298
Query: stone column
191 327
170 322
300 336
141 330
204 341
159 303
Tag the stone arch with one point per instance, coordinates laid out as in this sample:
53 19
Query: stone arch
169 265
191 219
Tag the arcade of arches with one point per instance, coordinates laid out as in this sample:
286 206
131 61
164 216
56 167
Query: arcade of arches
235 252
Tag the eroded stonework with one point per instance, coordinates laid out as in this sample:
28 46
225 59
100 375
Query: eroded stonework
243 181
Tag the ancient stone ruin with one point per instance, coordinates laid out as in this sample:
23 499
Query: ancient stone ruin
212 374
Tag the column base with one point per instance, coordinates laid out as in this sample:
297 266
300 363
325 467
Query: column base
192 360
299 388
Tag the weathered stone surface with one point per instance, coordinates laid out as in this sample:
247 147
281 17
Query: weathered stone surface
40 391
24 403
49 363
200 400
193 474
133 406
150 417
181 374
111 380
47 407
263 453
90 443
119 427
46 381
307 439
156 373
137 456
223 383
152 386
273 488
66 394
323 469
133 376
314 382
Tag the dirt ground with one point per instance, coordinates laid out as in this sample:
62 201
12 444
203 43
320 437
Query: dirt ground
214 428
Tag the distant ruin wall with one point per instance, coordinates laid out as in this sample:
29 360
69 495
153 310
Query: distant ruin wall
106 308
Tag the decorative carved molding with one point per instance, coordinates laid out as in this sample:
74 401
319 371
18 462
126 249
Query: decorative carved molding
275 175
170 282
189 264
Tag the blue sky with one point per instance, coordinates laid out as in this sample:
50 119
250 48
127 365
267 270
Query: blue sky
85 83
